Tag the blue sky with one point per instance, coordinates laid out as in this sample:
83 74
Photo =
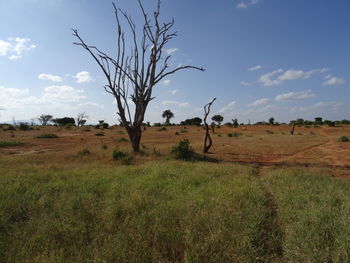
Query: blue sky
263 58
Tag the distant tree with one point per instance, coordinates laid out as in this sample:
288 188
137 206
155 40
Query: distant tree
81 118
167 114
194 121
235 123
64 121
345 122
272 121
138 67
300 121
217 118
44 119
318 120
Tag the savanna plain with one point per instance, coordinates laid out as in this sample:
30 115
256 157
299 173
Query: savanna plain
78 194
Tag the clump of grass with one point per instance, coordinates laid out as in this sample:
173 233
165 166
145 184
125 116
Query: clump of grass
234 134
162 129
124 157
68 126
4 144
86 129
183 150
100 134
122 140
183 130
177 133
343 139
269 132
46 136
120 132
84 152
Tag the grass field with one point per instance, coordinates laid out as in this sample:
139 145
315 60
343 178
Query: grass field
264 196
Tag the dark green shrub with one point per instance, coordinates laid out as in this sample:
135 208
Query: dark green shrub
105 125
121 156
24 126
176 133
183 150
100 134
47 136
120 132
104 147
4 144
162 129
343 139
10 128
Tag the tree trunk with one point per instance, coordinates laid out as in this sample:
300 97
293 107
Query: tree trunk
135 138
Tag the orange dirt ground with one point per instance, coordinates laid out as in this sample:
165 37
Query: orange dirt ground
266 146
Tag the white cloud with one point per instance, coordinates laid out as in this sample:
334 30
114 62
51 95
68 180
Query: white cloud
8 93
83 77
172 102
301 95
14 48
50 77
247 3
228 108
167 82
255 68
244 83
171 51
2 108
290 74
173 91
259 102
331 80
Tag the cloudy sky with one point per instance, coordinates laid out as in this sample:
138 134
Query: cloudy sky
263 58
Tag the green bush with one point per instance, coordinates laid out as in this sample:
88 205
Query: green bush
100 134
46 136
24 126
122 156
68 126
122 140
183 150
162 129
4 144
343 139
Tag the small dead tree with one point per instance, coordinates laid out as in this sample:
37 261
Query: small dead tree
133 75
293 128
207 140
81 118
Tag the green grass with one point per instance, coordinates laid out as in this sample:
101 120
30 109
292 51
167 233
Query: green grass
314 212
4 144
168 212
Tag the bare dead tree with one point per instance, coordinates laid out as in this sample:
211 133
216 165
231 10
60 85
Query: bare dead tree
207 140
293 128
133 75
81 118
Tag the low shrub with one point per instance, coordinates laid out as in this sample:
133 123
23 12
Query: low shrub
122 156
184 131
177 133
24 126
100 134
84 152
10 128
10 144
343 139
46 136
183 150
269 132
120 132
122 140
234 134
104 147
162 129
68 126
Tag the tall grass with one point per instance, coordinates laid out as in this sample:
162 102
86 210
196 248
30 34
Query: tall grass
314 211
168 212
